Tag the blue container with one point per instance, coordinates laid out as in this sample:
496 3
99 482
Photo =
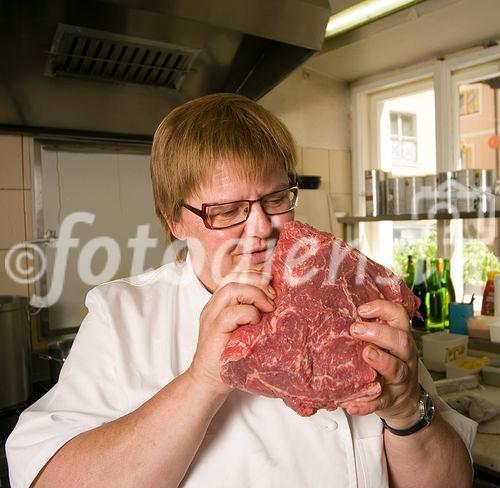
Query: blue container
459 313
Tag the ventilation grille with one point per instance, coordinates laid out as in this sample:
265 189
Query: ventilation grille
104 56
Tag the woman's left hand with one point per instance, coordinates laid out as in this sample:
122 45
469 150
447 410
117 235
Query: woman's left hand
393 354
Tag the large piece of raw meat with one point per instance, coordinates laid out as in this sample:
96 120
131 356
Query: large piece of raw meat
302 352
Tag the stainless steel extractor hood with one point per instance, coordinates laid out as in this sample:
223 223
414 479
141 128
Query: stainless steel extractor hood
118 66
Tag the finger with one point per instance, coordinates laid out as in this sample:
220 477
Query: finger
259 279
232 317
235 294
400 343
366 398
393 370
392 313
367 407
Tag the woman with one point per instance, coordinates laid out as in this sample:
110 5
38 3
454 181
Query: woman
140 401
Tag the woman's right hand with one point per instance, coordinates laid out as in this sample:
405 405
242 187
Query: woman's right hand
239 300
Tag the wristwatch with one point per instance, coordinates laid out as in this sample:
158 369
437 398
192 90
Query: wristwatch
427 410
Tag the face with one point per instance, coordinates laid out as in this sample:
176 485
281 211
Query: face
247 246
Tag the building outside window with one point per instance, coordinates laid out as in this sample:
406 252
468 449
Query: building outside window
478 124
469 100
466 155
403 137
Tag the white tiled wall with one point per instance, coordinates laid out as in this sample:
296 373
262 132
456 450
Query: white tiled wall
315 162
11 162
15 213
15 201
334 167
11 218
315 108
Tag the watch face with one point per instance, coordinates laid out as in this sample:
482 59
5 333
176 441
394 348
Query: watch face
428 405
422 406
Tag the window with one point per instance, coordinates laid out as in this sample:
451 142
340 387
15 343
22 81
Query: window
401 142
469 100
417 239
466 155
403 137
478 94
457 130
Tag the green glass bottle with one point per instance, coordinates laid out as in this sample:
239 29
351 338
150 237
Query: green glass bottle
410 272
447 285
446 300
435 299
420 290
447 282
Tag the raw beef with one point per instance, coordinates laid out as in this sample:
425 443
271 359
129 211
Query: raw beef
302 352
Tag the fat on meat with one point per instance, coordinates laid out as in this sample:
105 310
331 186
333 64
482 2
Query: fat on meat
302 352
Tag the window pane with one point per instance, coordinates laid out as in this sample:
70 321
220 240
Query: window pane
463 109
417 239
409 128
469 99
409 151
394 124
407 148
473 101
397 153
479 150
407 134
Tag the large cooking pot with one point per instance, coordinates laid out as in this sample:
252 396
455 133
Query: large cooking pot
15 351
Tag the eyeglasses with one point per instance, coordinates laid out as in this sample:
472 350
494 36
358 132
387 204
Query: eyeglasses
223 215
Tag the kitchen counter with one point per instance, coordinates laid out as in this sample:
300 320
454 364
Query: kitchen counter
486 450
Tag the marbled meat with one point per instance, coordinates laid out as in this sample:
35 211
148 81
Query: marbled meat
302 352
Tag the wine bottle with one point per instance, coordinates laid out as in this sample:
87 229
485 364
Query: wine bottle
410 272
447 281
447 284
435 299
446 300
420 290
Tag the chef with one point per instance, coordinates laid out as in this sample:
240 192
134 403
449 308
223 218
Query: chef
140 401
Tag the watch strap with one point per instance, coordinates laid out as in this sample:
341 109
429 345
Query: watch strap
426 405
420 424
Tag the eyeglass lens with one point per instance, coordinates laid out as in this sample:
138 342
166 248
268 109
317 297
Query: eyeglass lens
229 214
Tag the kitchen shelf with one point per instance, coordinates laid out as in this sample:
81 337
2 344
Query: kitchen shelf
438 216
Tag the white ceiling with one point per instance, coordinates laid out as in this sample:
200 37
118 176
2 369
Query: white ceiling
428 30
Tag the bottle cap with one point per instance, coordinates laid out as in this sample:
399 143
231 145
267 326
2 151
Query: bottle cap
491 274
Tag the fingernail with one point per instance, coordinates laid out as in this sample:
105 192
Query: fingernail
372 354
270 301
364 308
359 328
270 289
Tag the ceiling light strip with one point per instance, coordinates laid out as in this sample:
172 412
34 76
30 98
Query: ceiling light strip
362 13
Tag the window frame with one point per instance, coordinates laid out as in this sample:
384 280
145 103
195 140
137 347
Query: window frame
446 74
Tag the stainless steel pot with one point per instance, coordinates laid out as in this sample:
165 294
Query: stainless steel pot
15 351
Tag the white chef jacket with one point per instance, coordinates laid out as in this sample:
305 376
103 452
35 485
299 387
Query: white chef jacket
139 334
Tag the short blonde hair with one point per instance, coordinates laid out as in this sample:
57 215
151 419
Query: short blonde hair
196 136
